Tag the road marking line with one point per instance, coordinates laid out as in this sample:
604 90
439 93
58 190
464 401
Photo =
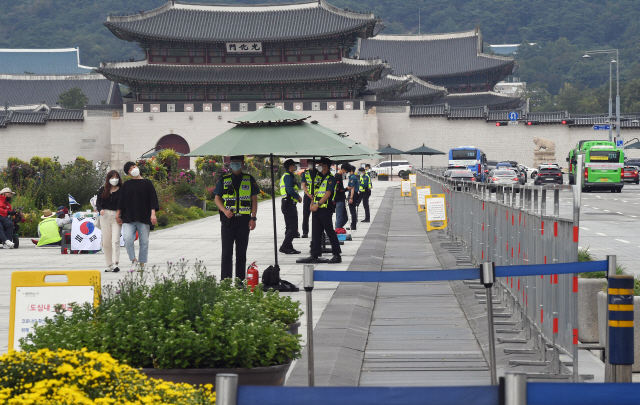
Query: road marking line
601 234
586 229
633 216
619 213
623 241
624 201
606 210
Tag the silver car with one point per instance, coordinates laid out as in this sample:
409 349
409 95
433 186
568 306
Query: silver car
503 177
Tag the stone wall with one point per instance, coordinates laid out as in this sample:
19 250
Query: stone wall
499 143
90 139
118 138
135 133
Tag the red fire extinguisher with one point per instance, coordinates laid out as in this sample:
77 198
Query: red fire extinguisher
252 276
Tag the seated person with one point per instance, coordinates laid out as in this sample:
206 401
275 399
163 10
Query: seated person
6 225
49 229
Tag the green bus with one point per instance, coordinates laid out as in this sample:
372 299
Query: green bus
603 165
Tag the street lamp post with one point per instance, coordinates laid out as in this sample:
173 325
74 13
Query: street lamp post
617 62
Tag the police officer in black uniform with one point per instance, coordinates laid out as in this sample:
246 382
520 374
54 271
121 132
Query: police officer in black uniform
290 198
308 176
322 216
237 199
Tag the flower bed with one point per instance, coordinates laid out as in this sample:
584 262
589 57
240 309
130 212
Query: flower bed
86 377
167 320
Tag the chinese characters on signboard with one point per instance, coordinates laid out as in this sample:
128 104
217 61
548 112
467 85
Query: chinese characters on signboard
244 47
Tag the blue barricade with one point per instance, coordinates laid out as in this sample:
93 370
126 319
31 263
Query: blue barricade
457 274
478 395
583 394
537 394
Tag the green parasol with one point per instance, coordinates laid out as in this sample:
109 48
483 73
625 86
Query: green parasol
388 150
423 150
272 131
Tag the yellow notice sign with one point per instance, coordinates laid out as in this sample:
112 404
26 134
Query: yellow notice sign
405 188
413 179
34 295
436 208
422 192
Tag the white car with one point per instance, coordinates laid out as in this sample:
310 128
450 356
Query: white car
528 170
385 167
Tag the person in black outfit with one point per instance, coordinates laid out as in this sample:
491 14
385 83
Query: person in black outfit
237 200
308 176
322 217
338 198
353 186
365 192
137 208
290 198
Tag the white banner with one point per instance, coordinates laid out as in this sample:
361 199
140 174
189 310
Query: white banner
436 209
34 304
85 235
244 47
422 193
406 186
608 165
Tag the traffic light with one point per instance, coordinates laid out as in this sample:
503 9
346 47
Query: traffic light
502 123
533 122
567 122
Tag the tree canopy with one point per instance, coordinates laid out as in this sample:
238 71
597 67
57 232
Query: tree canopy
73 98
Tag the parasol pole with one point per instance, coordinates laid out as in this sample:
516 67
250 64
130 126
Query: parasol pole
391 167
273 206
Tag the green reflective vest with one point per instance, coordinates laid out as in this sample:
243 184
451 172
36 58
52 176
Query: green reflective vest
49 232
283 189
322 189
365 183
232 201
307 178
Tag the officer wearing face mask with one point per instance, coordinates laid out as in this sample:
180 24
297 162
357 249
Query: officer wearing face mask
6 225
237 199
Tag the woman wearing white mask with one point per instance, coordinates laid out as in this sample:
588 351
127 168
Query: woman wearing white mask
107 204
137 213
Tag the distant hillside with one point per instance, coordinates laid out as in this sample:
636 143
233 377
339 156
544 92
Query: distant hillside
562 30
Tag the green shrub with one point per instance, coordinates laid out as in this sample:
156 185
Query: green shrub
195 213
166 320
211 206
585 256
163 219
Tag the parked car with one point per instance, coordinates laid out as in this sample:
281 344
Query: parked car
549 174
630 173
503 177
385 167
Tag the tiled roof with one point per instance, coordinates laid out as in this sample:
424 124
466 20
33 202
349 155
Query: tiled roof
503 115
233 74
549 117
47 89
423 90
60 114
24 117
433 55
488 98
466 112
388 83
179 21
64 61
427 110
19 117
408 87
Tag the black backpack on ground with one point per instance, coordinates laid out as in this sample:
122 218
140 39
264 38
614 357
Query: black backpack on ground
271 281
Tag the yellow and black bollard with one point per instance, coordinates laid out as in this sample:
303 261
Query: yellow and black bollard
620 340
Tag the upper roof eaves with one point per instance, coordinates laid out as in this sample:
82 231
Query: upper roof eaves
193 22
448 54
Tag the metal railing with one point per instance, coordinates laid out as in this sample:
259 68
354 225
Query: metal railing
521 225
